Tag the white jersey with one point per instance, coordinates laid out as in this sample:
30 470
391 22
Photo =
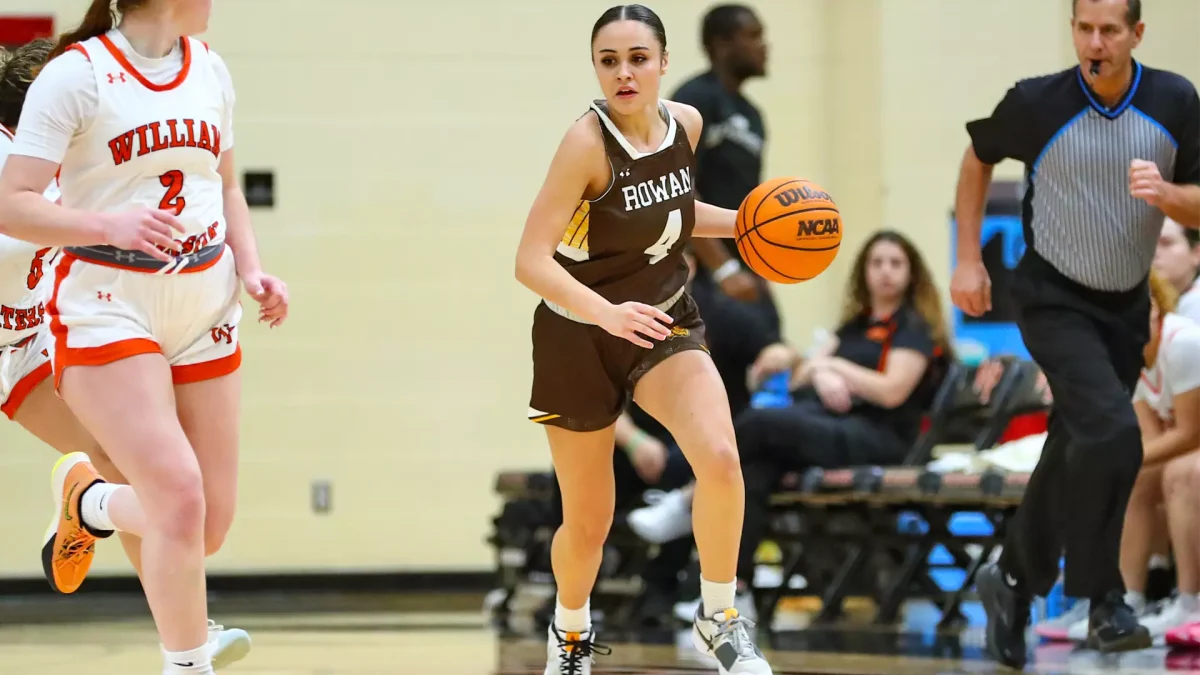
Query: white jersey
1189 302
25 279
1176 369
125 140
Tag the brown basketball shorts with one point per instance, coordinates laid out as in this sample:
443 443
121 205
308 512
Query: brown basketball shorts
583 377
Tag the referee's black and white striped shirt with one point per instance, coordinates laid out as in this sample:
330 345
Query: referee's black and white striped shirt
1078 214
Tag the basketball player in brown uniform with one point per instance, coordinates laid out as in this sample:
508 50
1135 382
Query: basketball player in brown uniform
603 247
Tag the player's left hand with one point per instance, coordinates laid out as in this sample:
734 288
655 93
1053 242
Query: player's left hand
271 294
1145 181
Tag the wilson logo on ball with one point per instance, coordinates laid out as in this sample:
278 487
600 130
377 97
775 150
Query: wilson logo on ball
801 194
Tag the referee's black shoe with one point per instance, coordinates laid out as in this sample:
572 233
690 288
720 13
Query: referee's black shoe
1113 627
1007 616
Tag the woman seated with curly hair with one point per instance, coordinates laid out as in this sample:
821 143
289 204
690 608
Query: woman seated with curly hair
859 399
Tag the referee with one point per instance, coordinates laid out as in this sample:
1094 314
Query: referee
1109 146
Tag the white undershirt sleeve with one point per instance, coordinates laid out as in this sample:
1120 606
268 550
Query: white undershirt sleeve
230 98
61 103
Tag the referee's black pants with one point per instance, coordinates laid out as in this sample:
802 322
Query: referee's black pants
1089 344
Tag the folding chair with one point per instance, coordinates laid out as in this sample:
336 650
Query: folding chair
1016 393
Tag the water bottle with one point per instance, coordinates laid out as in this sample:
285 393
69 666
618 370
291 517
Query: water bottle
820 337
1056 601
773 393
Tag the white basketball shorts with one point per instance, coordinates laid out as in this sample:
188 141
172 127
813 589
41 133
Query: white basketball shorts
102 313
23 366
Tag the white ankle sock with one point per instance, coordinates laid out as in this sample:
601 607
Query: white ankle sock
1159 561
1136 600
716 597
572 620
93 506
196 661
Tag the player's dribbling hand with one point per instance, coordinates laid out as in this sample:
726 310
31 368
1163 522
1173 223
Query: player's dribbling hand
271 294
144 230
633 320
971 288
1145 181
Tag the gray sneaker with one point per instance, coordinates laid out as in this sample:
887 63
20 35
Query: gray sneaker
726 637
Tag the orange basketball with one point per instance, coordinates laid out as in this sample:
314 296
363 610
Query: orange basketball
788 230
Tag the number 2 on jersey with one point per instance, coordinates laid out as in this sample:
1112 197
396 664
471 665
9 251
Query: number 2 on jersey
670 234
173 181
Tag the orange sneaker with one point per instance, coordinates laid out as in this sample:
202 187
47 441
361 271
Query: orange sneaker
70 545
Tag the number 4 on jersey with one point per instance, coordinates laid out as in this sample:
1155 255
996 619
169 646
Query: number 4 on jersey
670 234
173 182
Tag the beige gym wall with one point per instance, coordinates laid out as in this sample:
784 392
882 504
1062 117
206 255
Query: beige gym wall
408 140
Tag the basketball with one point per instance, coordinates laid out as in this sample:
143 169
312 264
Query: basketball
788 230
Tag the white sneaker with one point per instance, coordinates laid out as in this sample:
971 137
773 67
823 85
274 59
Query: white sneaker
228 645
1058 629
726 638
572 653
1168 616
668 519
1078 631
743 602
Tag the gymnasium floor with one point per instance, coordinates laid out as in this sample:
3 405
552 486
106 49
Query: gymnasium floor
395 642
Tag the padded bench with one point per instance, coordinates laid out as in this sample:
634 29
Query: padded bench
857 514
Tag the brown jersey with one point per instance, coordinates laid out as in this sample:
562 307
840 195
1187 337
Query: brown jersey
628 244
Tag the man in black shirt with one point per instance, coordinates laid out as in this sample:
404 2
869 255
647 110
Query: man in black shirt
729 154
728 167
1109 147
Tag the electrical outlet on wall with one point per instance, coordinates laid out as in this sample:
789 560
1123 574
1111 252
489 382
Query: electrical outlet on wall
322 496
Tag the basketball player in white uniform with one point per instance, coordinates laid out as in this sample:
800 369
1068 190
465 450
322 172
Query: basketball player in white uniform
137 122
25 287
26 344
24 290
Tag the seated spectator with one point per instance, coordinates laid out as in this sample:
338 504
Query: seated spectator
858 400
1177 258
1167 402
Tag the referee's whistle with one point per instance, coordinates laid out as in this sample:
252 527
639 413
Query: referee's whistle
1095 67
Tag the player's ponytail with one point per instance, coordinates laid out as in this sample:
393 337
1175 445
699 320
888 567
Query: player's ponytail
101 17
17 69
